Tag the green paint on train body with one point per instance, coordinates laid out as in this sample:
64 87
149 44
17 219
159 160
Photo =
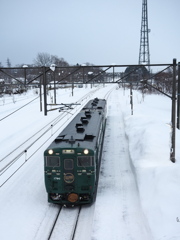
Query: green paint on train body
72 161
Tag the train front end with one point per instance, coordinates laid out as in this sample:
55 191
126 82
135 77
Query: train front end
70 175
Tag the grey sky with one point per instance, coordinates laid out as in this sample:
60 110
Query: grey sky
95 31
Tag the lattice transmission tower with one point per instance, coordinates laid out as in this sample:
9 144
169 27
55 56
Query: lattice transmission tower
144 55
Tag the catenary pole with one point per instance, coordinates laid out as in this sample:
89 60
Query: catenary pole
178 98
45 94
173 115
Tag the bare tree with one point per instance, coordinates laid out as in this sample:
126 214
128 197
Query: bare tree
59 62
45 59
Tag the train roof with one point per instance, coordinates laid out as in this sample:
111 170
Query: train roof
95 103
83 130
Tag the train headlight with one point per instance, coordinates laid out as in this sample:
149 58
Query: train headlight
86 151
55 196
50 151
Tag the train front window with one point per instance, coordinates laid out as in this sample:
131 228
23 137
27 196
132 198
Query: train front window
52 161
85 161
68 164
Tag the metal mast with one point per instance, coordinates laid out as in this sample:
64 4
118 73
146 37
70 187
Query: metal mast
144 56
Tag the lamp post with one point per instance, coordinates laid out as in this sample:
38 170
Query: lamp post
25 67
53 68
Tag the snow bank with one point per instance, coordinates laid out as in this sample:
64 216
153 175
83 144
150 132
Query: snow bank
149 135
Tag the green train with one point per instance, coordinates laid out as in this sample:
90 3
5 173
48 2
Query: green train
72 161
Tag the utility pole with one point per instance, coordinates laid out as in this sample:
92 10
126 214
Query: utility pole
178 98
144 55
45 92
173 115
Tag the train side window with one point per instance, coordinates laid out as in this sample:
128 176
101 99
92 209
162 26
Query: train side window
52 161
68 164
85 161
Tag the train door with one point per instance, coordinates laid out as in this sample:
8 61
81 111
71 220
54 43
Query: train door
69 178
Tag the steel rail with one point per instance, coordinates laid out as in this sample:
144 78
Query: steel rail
5 168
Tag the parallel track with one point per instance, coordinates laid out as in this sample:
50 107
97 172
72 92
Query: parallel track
17 158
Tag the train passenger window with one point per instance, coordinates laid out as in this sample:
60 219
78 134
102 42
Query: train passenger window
85 161
68 164
52 161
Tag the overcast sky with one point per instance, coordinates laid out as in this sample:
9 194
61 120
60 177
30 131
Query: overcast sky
94 31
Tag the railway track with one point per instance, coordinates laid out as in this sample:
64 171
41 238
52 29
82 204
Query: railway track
19 156
14 160
66 219
60 218
49 221
74 219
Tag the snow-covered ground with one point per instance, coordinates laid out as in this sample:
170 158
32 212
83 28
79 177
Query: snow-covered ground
139 189
149 136
118 195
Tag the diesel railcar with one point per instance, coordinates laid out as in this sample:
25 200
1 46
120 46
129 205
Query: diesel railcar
72 161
